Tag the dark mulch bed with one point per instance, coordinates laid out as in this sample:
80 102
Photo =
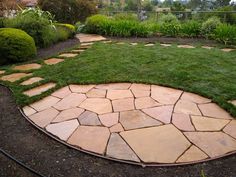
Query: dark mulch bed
51 158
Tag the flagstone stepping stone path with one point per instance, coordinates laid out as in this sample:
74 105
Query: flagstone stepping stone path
53 61
31 81
27 67
135 123
186 46
87 38
15 76
68 55
39 90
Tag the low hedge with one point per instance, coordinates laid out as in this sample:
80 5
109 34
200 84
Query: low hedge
15 46
64 31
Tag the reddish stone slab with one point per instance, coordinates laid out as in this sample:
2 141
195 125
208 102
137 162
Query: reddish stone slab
182 122
15 76
141 90
109 119
123 104
32 81
68 55
68 114
96 93
187 107
119 94
116 128
27 67
89 118
145 102
80 88
230 129
45 103
53 61
114 86
28 111
89 37
62 93
194 98
39 90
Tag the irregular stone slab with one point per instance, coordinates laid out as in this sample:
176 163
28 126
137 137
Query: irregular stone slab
39 90
81 88
136 119
106 42
207 47
63 130
141 90
97 105
87 44
109 119
68 114
85 47
120 43
44 118
212 143
186 46
32 81
194 98
90 138
89 37
213 110
89 118
145 102
192 154
133 43
117 148
123 104
161 113
116 128
96 93
45 103
119 94
208 124
233 102
165 95
149 45
62 93
53 61
141 93
182 122
227 50
77 51
166 45
2 72
70 101
158 147
27 67
15 77
68 55
230 129
28 111
114 86
187 107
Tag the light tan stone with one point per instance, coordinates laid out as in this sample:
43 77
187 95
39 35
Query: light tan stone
182 122
166 45
114 86
212 143
233 102
28 111
230 129
68 114
117 148
137 119
90 138
194 98
106 42
213 110
81 88
53 61
2 72
120 43
207 47
45 103
119 94
62 93
70 101
165 95
68 55
116 128
192 154
187 107
163 144
39 90
186 46
97 105
208 124
149 45
77 51
89 38
85 47
27 67
123 104
15 77
87 44
109 119
141 90
44 117
133 43
145 102
31 81
96 93
141 93
227 50
89 118
63 130
161 113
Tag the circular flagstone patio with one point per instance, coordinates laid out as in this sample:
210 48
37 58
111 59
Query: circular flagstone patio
136 123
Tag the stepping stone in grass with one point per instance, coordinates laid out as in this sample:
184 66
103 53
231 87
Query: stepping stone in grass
31 81
120 43
15 77
186 46
207 47
85 47
38 90
89 38
77 51
227 50
68 55
53 61
2 72
27 67
87 44
133 43
149 45
105 42
166 45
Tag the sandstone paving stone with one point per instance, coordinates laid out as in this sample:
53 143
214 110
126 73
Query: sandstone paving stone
233 102
106 42
89 37
166 45
192 154
141 93
116 128
213 110
44 117
68 55
149 45
207 47
117 148
230 129
120 43
208 124
90 138
53 61
119 94
227 50
156 144
212 143
194 98
109 119
77 51
186 46
97 105
114 86
89 118
165 95
39 90
187 107
141 90
70 101
2 72
96 93
87 44
32 81
133 43
45 103
68 114
28 111
137 119
63 130
123 104
80 88
61 93
27 67
161 113
145 102
182 122
15 76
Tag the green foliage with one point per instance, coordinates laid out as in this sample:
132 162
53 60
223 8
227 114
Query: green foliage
209 26
68 27
95 23
191 29
228 16
170 29
225 33
2 20
15 46
79 27
168 18
125 16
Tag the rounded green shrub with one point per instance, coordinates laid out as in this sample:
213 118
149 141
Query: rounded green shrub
168 18
15 46
209 26
70 29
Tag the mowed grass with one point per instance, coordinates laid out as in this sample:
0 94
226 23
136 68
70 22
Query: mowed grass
210 73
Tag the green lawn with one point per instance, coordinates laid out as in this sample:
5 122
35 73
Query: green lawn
211 73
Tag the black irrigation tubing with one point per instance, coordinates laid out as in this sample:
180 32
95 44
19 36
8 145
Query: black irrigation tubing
21 163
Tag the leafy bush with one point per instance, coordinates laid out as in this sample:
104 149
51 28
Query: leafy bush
79 27
125 16
68 27
209 26
191 29
170 29
168 18
95 23
2 25
15 46
225 33
228 16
